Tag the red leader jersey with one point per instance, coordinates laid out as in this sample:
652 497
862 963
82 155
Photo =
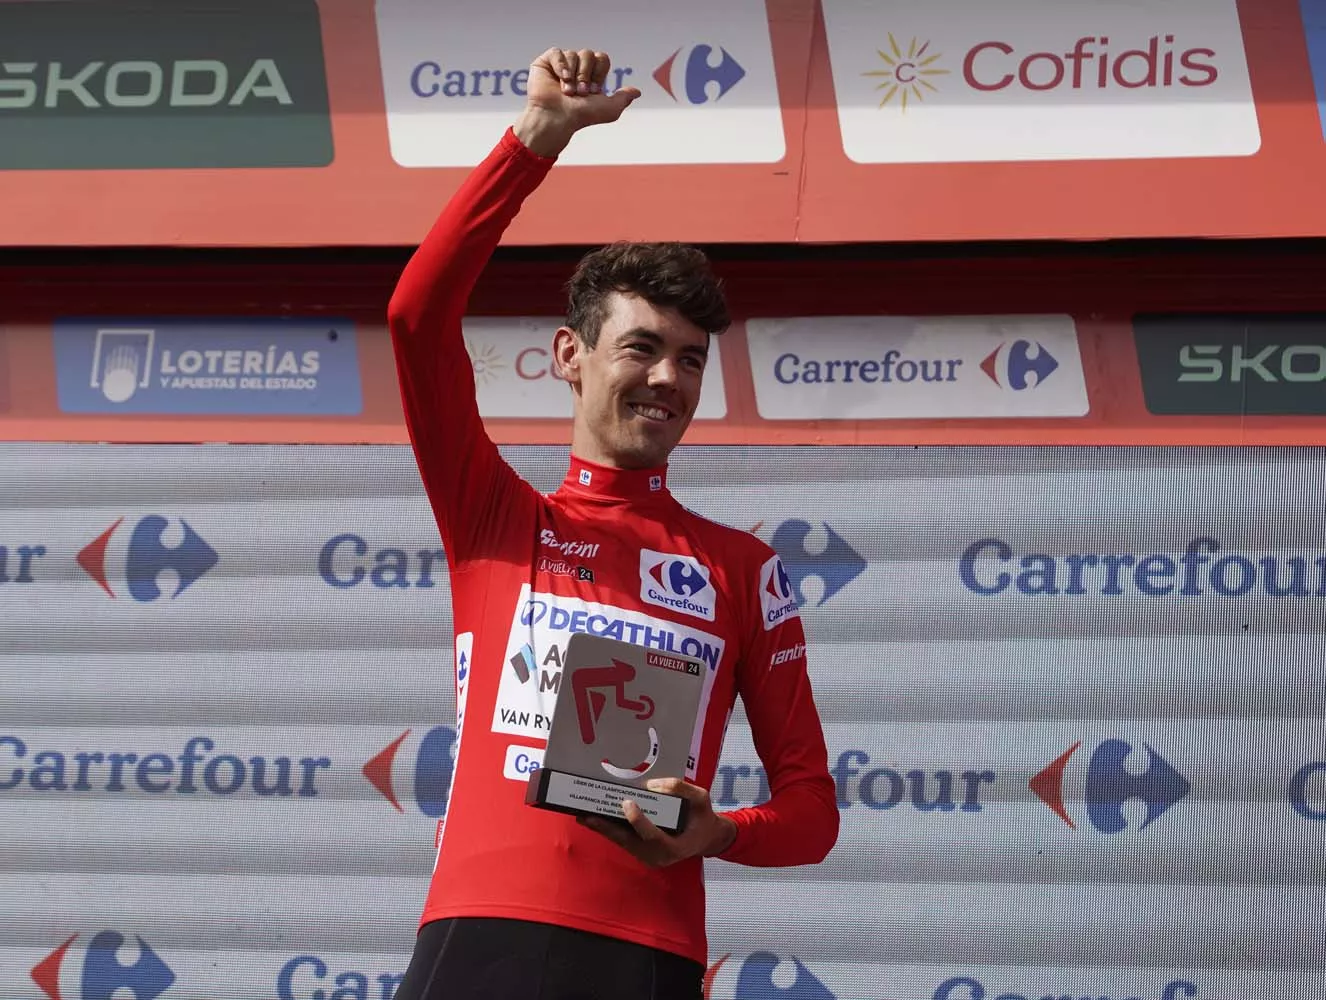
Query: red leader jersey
613 553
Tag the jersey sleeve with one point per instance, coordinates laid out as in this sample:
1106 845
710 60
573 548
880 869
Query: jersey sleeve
464 475
799 822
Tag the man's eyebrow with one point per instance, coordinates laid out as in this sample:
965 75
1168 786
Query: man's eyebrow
644 333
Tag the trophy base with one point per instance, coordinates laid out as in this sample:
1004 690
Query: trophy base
577 795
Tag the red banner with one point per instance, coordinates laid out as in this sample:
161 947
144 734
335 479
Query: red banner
1010 380
348 122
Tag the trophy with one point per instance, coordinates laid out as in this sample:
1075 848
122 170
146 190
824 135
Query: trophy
623 714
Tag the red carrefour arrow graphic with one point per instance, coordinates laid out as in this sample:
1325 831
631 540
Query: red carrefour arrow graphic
378 770
663 75
711 974
1049 784
92 557
46 973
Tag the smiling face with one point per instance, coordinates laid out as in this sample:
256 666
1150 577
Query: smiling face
636 390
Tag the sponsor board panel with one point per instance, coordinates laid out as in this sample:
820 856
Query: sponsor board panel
515 375
320 685
963 82
249 366
1244 365
162 86
1089 802
1022 493
901 367
1278 927
709 93
737 973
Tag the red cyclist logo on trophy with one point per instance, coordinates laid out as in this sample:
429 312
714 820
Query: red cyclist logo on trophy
588 686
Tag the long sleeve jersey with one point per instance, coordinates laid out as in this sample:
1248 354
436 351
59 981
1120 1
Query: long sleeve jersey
610 552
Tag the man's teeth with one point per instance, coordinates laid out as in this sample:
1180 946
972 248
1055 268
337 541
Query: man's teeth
653 412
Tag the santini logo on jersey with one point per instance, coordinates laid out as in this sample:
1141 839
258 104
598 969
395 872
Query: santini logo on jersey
778 599
573 550
678 583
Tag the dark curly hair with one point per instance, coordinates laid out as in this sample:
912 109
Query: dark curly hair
667 275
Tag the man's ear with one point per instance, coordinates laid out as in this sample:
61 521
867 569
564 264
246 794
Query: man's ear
567 348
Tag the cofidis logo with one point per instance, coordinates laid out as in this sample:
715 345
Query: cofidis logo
959 82
103 966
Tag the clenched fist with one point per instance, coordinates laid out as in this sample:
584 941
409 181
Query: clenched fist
565 93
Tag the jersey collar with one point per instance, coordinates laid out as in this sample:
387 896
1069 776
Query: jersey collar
601 482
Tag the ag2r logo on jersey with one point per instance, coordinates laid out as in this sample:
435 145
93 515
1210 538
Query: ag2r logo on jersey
103 975
146 556
1109 784
678 583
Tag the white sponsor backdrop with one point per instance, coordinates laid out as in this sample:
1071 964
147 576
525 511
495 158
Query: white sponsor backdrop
248 775
514 377
957 80
899 367
454 78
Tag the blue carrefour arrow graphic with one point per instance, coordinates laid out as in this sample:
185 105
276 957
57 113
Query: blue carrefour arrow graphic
105 978
837 566
1110 785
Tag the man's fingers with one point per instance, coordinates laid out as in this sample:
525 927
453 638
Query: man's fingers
584 70
601 66
673 786
571 59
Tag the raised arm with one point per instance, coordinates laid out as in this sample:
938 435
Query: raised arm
461 469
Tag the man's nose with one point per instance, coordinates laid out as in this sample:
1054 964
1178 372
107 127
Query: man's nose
663 373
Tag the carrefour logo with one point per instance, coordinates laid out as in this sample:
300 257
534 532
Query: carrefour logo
1110 783
699 74
991 566
427 775
678 583
1019 365
1307 791
309 977
971 988
108 970
28 765
154 546
832 565
692 74
764 976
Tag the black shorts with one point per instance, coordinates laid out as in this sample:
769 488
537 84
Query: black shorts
474 958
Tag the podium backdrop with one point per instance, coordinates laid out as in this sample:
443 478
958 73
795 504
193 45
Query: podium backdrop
1073 700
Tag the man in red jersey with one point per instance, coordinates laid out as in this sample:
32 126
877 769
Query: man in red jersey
531 904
